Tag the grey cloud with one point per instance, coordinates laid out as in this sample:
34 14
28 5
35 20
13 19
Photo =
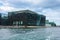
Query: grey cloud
44 4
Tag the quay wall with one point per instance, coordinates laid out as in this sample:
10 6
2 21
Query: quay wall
24 27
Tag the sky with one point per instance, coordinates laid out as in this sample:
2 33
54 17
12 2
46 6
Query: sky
49 8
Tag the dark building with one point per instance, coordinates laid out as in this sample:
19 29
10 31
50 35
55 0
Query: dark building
26 17
4 20
0 19
50 23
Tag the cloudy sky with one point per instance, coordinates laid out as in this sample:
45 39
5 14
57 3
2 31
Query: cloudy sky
49 8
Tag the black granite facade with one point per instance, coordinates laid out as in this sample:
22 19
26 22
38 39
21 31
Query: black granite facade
0 19
26 17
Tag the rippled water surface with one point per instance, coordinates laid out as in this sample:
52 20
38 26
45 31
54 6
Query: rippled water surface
52 33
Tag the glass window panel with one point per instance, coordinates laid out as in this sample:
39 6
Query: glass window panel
21 22
14 23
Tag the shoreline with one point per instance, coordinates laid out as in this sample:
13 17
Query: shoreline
23 27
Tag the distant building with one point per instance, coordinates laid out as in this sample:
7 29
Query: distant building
49 23
26 17
0 19
4 20
52 24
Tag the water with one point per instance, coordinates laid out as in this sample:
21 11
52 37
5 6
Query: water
52 33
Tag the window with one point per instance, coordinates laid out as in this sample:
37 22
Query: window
21 22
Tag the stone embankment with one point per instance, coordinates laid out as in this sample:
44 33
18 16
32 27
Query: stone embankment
22 27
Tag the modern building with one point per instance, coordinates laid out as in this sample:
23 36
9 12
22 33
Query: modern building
26 17
47 23
4 20
52 24
0 18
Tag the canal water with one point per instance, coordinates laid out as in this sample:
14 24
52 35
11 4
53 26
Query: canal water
52 33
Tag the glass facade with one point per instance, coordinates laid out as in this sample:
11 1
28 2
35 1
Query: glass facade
26 17
17 23
0 19
21 18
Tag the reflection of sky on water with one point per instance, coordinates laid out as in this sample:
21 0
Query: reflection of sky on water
30 34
